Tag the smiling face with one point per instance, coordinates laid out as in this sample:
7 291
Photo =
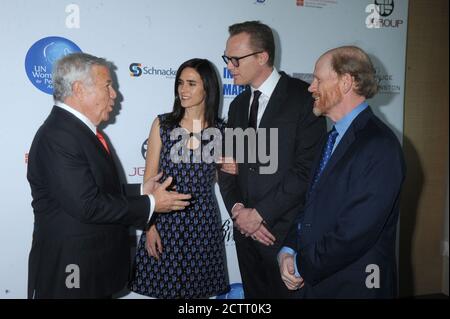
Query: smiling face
98 97
190 89
325 87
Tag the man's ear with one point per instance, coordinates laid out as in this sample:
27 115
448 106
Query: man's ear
347 82
263 57
78 89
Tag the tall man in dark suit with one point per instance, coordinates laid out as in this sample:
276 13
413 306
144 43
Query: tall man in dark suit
80 243
343 243
264 205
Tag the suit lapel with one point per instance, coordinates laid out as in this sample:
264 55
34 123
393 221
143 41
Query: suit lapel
78 128
342 148
276 101
242 112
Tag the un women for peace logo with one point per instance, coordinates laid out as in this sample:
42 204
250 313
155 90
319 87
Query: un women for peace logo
40 59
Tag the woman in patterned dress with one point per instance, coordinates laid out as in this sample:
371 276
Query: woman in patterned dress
182 255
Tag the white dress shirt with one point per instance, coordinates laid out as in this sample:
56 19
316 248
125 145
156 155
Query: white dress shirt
266 90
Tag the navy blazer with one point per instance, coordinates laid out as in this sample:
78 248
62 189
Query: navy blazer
349 222
81 212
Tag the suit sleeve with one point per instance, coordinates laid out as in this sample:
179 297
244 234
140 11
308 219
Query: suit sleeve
71 180
291 190
132 189
229 187
291 237
372 198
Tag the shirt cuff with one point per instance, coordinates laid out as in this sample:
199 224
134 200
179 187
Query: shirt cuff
287 250
152 207
152 203
290 251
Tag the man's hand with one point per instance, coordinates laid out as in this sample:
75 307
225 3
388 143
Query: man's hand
235 209
167 201
153 242
264 236
151 184
287 271
228 165
247 220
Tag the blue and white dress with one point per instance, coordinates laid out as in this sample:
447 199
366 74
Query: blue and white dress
192 264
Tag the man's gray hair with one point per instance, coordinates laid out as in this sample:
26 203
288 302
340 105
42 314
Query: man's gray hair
70 68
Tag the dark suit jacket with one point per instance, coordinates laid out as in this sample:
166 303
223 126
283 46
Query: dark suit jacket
81 212
349 222
278 197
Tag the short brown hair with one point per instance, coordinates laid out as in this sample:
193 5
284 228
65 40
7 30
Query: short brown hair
261 37
356 62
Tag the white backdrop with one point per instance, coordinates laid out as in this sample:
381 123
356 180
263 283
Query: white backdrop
160 35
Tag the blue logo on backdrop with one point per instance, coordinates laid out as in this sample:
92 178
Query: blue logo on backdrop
138 69
135 69
40 58
230 89
236 292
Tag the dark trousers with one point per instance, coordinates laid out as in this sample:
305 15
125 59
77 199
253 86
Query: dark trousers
259 269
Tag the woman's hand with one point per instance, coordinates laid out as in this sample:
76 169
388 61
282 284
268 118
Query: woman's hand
153 242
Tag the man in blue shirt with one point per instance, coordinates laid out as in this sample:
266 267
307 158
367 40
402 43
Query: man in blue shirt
343 242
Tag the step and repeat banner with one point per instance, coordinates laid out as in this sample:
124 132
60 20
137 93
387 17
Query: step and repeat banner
147 40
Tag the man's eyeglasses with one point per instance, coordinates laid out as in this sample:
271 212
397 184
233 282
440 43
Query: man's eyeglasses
235 60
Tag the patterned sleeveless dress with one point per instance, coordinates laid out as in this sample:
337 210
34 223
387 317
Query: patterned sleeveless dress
192 264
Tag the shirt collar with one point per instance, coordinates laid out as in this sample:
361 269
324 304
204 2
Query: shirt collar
343 124
269 84
79 115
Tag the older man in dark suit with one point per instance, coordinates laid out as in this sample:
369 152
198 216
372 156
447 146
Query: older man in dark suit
80 243
343 242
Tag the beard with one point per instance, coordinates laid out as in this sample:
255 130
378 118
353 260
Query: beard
327 100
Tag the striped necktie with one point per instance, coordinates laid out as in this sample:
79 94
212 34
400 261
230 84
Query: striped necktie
326 154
